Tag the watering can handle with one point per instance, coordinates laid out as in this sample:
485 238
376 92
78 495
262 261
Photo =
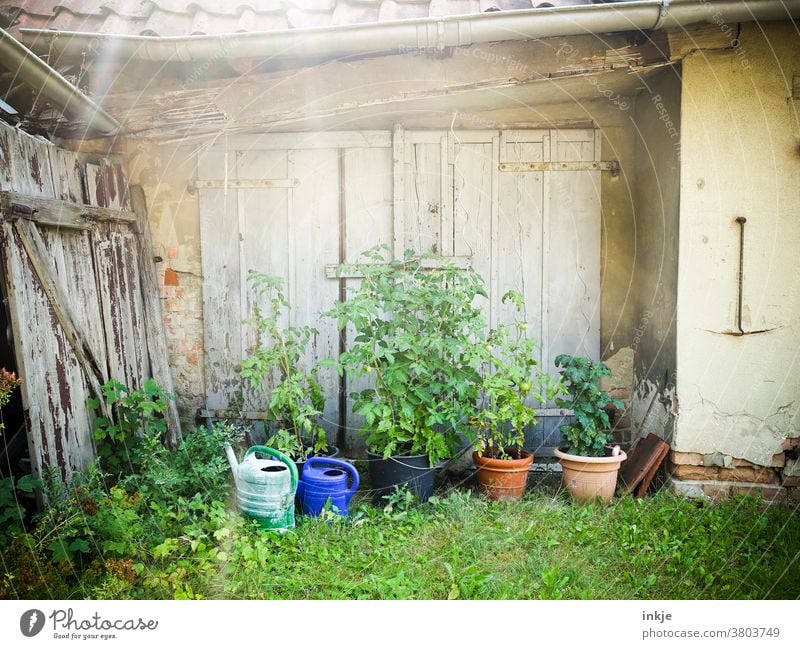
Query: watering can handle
330 461
266 450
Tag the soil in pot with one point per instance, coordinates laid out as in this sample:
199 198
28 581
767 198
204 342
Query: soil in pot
411 471
503 479
588 479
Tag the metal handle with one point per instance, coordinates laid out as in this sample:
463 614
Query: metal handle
340 464
266 450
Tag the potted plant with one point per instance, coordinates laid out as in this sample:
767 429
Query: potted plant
590 465
416 329
296 400
512 384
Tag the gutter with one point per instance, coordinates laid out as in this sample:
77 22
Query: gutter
414 34
28 67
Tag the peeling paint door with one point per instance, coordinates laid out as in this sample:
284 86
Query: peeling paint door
62 281
293 204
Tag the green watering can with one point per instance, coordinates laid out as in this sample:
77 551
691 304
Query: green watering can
265 488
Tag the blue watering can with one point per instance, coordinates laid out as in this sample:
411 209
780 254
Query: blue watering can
326 478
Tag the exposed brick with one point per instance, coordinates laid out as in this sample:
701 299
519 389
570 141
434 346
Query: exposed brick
794 494
193 358
173 304
791 444
172 252
691 472
624 394
748 474
777 461
716 490
769 493
791 481
693 459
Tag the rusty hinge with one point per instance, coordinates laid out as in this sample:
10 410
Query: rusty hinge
517 167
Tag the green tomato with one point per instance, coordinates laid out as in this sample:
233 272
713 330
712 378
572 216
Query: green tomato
526 386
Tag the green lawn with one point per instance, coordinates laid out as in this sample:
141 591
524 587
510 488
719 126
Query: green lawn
457 546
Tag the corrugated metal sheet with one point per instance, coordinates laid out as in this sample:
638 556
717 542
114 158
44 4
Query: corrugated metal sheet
179 18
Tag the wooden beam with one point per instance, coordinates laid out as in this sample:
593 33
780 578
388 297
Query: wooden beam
262 183
335 271
155 334
518 167
55 213
39 258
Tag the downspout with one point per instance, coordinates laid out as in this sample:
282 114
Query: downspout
417 34
36 73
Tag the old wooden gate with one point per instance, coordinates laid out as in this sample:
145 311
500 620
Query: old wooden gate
522 207
82 293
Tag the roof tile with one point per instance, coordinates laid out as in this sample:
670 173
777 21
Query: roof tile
349 13
401 9
179 17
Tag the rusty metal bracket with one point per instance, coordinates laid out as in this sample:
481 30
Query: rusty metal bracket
739 331
518 167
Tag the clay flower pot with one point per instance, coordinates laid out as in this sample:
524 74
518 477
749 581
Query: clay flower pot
590 478
503 479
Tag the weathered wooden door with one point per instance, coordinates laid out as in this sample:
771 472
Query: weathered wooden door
72 263
522 207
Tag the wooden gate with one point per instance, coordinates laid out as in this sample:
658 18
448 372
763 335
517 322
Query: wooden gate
74 265
521 207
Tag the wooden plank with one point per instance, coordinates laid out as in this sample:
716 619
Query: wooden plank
155 334
494 250
310 140
60 306
446 192
60 213
219 244
473 208
336 271
7 136
314 241
68 180
399 191
264 219
573 287
424 199
518 167
53 389
32 175
257 183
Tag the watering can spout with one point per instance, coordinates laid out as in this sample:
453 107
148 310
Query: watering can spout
233 462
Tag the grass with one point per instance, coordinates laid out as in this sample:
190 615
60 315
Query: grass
171 531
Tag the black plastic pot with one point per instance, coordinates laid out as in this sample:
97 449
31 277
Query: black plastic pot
333 451
411 471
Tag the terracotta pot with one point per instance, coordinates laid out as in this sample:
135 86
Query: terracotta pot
590 478
503 479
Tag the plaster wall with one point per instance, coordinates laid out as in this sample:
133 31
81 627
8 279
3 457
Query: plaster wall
740 157
656 211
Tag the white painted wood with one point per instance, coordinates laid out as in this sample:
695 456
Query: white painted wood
573 239
473 202
67 179
315 243
399 165
424 198
446 192
219 244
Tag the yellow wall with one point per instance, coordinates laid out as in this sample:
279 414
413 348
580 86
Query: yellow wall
740 157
